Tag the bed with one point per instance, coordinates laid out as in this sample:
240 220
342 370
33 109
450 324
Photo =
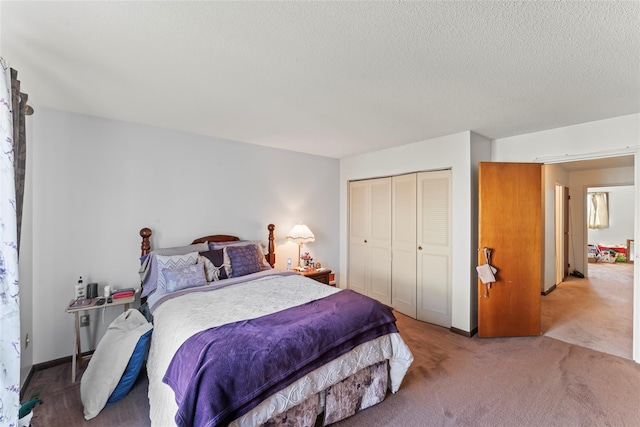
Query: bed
266 347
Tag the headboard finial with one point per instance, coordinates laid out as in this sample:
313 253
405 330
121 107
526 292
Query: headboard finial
145 248
271 257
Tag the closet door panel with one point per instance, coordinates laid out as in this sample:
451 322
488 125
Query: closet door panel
380 212
358 269
434 247
380 274
370 238
359 194
403 232
358 211
379 241
434 297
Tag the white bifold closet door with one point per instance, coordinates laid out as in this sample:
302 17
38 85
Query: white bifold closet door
370 238
434 247
421 246
400 243
404 245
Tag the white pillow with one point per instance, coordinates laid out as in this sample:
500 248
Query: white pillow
110 360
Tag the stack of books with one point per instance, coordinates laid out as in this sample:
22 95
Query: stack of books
123 293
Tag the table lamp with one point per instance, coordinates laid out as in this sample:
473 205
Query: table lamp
300 234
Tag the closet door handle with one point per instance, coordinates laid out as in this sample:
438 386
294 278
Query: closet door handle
365 240
419 248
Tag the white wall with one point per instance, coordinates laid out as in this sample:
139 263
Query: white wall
620 216
603 138
97 182
448 152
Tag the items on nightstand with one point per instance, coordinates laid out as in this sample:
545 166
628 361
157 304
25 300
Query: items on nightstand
123 293
300 234
92 290
80 291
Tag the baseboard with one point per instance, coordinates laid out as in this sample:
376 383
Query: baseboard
548 291
56 362
464 333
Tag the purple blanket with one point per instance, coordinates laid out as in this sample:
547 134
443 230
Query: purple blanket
221 373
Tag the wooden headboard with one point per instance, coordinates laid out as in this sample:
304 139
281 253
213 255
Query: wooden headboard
145 233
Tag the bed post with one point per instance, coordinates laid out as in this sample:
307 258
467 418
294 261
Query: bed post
271 257
145 233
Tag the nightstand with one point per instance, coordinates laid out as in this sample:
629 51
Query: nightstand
321 276
77 352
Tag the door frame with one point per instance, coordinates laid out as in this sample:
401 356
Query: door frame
635 152
561 233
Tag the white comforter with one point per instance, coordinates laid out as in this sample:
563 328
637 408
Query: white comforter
177 319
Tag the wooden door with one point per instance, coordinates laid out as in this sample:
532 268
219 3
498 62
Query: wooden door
434 247
510 223
403 234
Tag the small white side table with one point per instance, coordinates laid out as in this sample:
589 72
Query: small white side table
77 352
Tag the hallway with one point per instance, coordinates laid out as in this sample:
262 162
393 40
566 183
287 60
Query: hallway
595 312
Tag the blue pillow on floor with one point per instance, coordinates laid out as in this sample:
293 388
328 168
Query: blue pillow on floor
132 370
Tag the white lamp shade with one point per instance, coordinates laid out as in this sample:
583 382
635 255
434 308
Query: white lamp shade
300 233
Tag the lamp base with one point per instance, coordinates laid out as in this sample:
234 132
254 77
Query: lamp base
299 267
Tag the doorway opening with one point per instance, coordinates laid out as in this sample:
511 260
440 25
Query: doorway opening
607 288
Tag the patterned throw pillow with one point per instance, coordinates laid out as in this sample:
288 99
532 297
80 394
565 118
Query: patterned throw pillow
216 257
172 262
244 260
190 276
260 246
149 269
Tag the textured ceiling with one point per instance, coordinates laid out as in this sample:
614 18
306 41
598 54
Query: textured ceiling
330 78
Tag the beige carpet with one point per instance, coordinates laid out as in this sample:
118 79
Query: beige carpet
595 312
534 381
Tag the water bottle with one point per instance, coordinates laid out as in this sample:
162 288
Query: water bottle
288 263
80 292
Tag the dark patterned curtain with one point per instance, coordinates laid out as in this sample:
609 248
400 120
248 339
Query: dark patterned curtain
19 109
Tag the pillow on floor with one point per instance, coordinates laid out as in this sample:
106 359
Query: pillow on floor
133 369
110 360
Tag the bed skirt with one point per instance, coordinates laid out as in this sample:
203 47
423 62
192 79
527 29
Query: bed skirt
361 390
